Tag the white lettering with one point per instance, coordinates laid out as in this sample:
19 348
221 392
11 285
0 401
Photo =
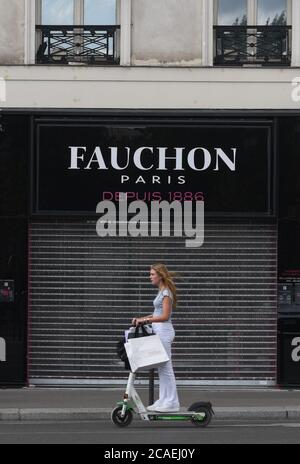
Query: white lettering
221 154
296 89
2 350
114 158
163 157
205 159
99 159
137 157
139 224
75 157
296 351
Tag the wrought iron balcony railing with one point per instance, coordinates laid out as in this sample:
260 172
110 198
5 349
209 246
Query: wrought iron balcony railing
256 45
78 44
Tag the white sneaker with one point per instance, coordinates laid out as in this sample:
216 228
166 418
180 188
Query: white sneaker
153 406
167 409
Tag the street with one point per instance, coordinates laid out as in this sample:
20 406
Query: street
104 432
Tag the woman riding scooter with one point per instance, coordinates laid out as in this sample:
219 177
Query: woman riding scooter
164 302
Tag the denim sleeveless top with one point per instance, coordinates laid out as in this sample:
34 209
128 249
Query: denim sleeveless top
158 303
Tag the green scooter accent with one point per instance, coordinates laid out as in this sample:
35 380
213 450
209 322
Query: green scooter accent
127 404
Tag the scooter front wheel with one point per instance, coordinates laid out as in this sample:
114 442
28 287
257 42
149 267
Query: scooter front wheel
120 421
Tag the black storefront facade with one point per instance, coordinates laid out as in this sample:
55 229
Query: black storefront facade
67 294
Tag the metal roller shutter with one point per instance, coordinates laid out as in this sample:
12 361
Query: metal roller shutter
84 290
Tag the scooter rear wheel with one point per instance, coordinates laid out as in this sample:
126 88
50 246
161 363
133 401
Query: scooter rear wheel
205 420
121 421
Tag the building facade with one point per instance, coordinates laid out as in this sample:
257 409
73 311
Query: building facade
192 83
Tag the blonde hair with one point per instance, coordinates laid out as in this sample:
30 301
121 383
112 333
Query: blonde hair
167 279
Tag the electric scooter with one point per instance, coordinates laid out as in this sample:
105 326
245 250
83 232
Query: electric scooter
199 413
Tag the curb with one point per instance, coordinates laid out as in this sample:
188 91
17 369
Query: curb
221 413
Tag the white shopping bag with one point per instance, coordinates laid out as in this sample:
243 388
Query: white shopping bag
145 352
130 332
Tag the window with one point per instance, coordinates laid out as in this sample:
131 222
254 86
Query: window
232 12
57 12
272 12
101 10
78 31
252 12
252 32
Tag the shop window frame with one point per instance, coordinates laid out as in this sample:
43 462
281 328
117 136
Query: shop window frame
255 51
33 18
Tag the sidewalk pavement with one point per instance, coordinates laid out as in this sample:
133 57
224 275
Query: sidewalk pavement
97 403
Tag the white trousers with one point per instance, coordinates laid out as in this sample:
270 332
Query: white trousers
167 383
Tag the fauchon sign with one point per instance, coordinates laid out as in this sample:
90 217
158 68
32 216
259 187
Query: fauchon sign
78 163
109 158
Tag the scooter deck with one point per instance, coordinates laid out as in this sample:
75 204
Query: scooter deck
181 412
